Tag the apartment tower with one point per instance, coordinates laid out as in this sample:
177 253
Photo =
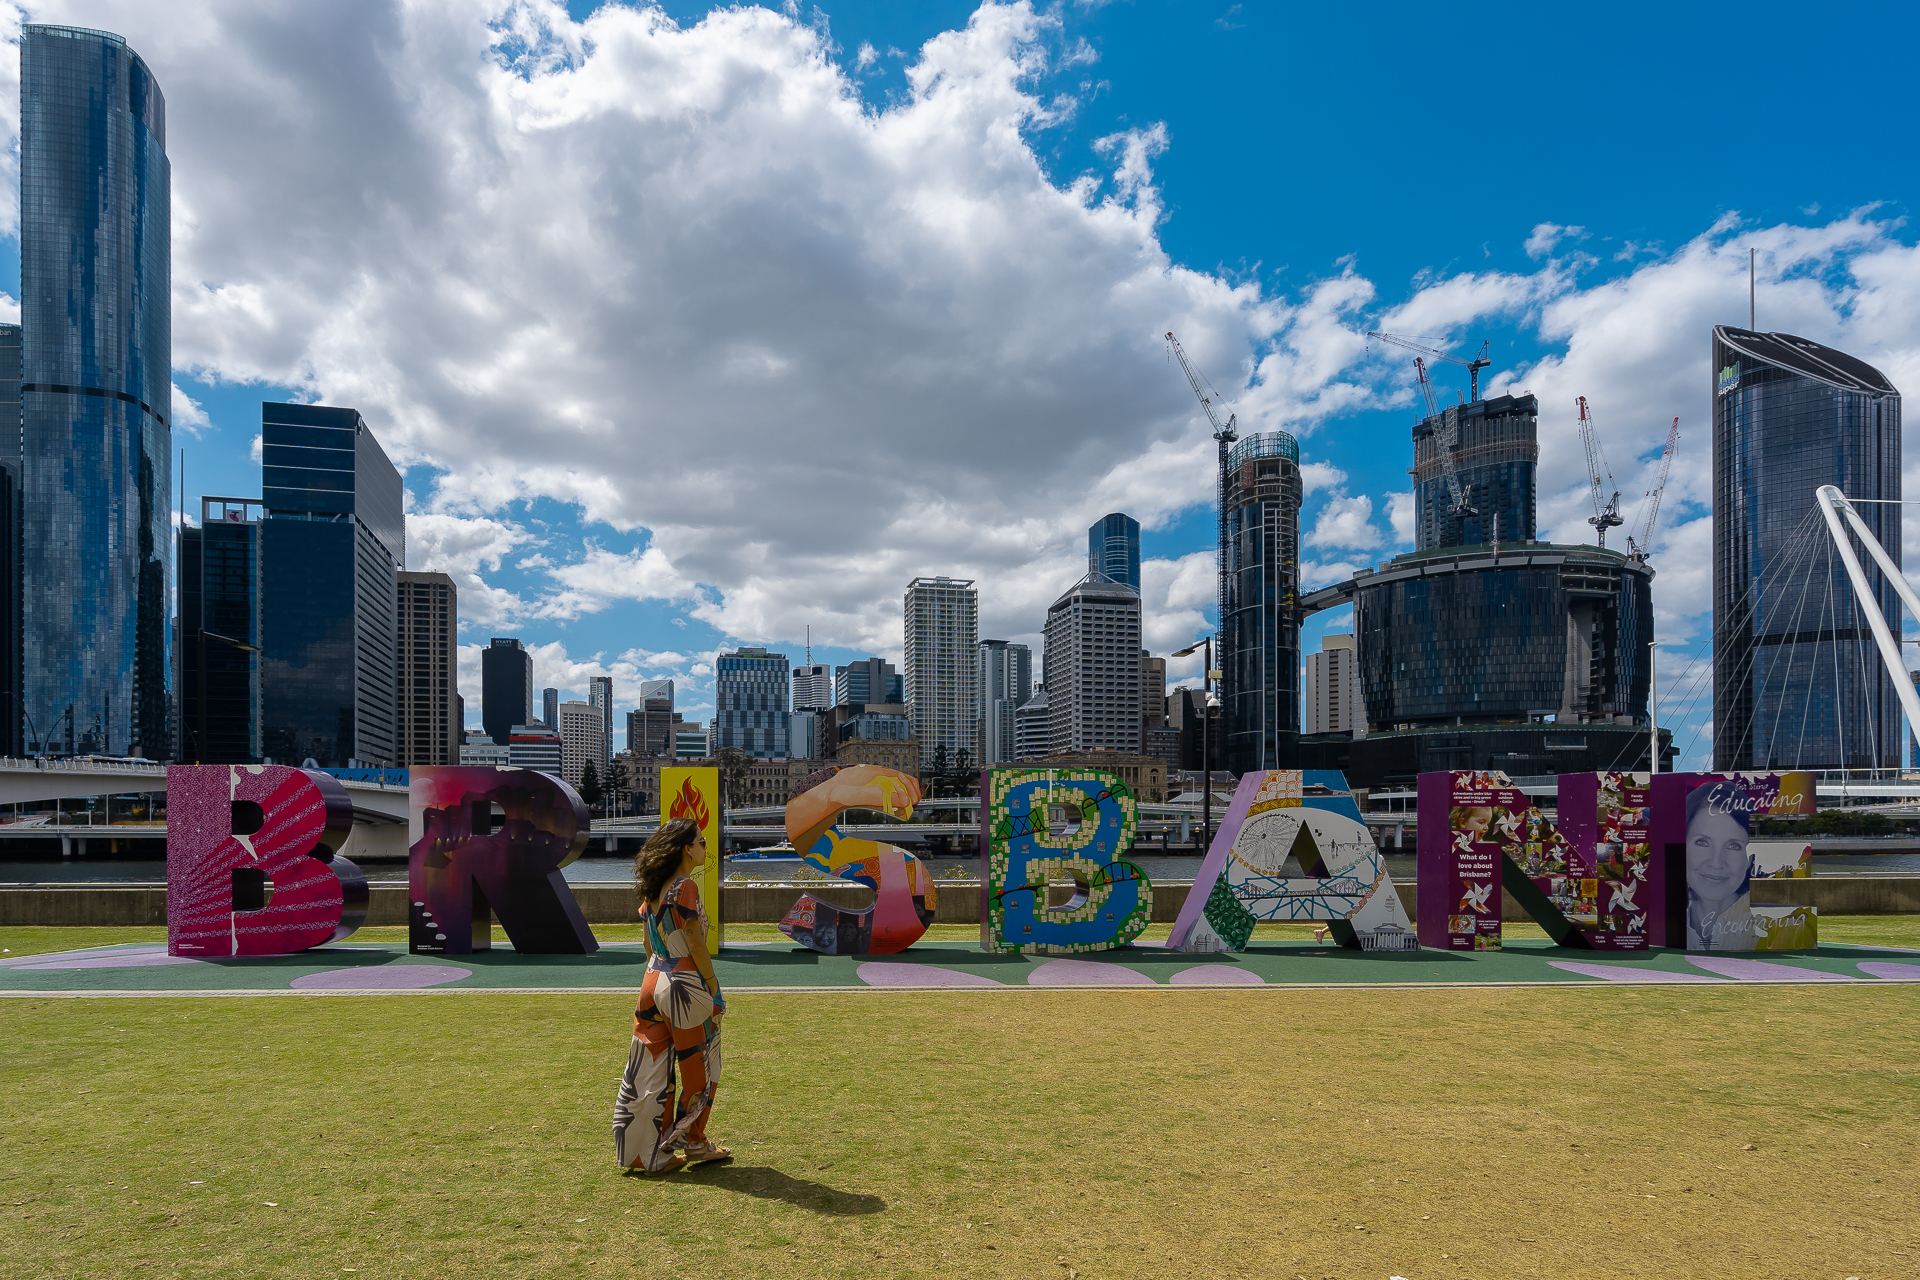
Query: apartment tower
942 637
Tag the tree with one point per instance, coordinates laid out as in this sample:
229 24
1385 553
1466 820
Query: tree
966 778
735 769
590 787
937 780
619 782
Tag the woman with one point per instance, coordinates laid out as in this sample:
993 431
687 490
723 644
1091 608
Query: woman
651 1132
1719 901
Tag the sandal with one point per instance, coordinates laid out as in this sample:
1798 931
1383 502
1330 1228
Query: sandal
678 1161
708 1151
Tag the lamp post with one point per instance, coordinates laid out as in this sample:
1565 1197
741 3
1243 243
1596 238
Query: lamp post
1206 738
200 735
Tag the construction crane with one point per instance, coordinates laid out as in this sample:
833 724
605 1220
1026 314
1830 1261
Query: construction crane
1606 511
1446 444
1473 366
1223 435
1638 549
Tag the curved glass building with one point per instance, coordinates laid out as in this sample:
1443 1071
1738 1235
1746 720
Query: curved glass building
95 390
1460 637
1260 617
1797 682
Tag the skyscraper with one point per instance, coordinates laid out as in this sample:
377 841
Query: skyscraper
1153 692
942 634
506 688
1113 549
1790 688
96 390
813 687
332 549
1033 726
868 680
430 728
1093 668
550 708
1259 652
600 694
1518 655
1333 688
12 739
650 725
1005 681
1493 443
219 639
750 703
581 742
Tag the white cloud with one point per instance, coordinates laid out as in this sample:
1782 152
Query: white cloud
462 547
9 308
1547 235
685 279
1320 475
188 416
257 449
1400 514
1345 522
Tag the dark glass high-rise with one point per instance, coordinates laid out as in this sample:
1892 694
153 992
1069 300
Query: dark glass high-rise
12 740
1496 451
1797 682
219 641
1113 548
96 386
332 549
506 688
1260 629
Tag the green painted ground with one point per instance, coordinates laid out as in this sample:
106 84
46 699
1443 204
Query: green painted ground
763 960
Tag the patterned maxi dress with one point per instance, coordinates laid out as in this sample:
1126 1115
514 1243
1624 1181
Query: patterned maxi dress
648 1126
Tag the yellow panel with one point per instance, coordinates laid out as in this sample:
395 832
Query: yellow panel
693 791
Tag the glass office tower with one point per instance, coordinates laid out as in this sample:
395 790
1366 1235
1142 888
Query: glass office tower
1797 682
219 639
11 739
96 371
332 549
1113 549
1260 632
506 688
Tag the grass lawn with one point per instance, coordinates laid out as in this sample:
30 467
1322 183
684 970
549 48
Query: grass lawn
1766 1131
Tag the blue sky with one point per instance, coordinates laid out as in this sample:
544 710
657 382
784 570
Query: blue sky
1578 189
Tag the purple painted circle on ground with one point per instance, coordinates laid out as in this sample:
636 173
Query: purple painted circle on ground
1763 971
1889 971
1623 973
895 973
1207 975
1086 973
391 977
126 960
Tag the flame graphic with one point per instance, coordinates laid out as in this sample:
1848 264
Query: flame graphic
690 804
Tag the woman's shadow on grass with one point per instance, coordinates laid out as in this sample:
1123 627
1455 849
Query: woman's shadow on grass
771 1184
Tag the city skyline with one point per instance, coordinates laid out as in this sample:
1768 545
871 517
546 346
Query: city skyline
598 587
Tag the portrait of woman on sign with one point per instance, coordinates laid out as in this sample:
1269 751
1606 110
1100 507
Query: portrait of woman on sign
1719 873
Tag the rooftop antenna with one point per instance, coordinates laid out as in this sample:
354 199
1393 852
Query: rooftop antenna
809 644
1750 324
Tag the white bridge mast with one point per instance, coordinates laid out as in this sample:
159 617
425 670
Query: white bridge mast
1834 505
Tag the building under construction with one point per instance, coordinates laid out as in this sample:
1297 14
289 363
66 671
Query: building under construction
1483 648
1494 459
